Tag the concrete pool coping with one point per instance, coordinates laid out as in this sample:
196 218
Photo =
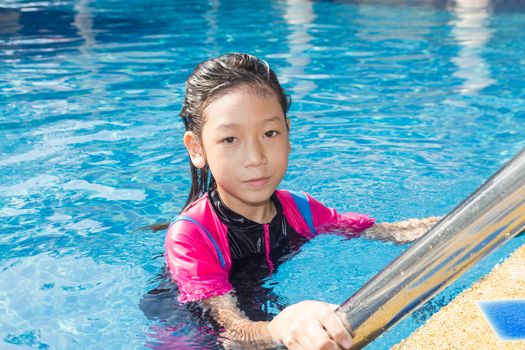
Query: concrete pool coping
461 324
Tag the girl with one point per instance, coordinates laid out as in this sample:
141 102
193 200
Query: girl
235 224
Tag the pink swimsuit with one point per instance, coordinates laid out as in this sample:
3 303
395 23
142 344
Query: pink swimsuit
197 248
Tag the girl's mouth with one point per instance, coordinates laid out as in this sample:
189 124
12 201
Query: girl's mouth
257 182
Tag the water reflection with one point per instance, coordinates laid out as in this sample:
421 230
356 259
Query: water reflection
496 6
83 20
300 16
471 30
212 31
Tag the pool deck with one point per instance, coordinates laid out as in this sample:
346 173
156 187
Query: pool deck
461 324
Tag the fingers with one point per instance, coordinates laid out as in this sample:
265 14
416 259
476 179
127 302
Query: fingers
432 220
335 328
310 336
310 325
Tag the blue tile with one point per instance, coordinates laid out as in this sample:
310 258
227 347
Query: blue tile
506 317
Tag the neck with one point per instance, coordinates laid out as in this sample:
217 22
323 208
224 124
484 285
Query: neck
262 212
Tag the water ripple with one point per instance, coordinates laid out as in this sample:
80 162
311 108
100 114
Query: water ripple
106 192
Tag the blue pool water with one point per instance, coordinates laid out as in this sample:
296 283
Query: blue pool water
399 111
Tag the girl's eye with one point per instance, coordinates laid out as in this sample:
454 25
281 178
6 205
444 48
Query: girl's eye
271 133
229 139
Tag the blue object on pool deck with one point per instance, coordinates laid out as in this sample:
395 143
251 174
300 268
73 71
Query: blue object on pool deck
506 317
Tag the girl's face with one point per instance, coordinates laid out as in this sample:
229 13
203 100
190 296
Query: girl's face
246 145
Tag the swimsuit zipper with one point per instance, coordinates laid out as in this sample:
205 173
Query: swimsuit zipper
267 245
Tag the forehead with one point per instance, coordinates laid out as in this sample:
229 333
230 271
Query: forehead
243 105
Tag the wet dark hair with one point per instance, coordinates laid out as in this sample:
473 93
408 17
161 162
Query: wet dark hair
215 78
210 80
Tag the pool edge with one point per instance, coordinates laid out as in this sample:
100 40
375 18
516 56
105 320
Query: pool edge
461 324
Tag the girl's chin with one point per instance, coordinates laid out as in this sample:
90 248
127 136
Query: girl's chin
250 197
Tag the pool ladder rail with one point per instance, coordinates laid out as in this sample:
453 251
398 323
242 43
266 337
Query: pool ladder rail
489 217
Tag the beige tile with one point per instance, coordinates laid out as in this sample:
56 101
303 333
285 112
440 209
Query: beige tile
461 325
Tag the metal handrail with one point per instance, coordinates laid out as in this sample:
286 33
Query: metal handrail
492 215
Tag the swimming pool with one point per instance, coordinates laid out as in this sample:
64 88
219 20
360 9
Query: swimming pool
399 111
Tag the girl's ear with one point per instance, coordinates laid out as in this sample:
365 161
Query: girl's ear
195 150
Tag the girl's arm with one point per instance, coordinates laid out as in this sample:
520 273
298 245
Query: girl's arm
401 231
237 326
328 220
305 325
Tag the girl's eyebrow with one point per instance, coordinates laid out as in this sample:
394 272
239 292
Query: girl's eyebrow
228 126
271 119
236 126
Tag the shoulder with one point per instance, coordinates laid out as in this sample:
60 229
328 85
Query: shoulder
183 235
300 199
191 224
198 231
197 205
300 210
189 245
293 196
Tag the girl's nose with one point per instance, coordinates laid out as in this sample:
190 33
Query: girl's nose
255 155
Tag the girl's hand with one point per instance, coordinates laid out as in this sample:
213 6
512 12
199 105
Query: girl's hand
310 325
401 231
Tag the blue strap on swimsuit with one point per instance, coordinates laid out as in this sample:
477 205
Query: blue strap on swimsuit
300 200
190 219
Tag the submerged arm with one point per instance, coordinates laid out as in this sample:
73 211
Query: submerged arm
402 231
306 325
238 327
